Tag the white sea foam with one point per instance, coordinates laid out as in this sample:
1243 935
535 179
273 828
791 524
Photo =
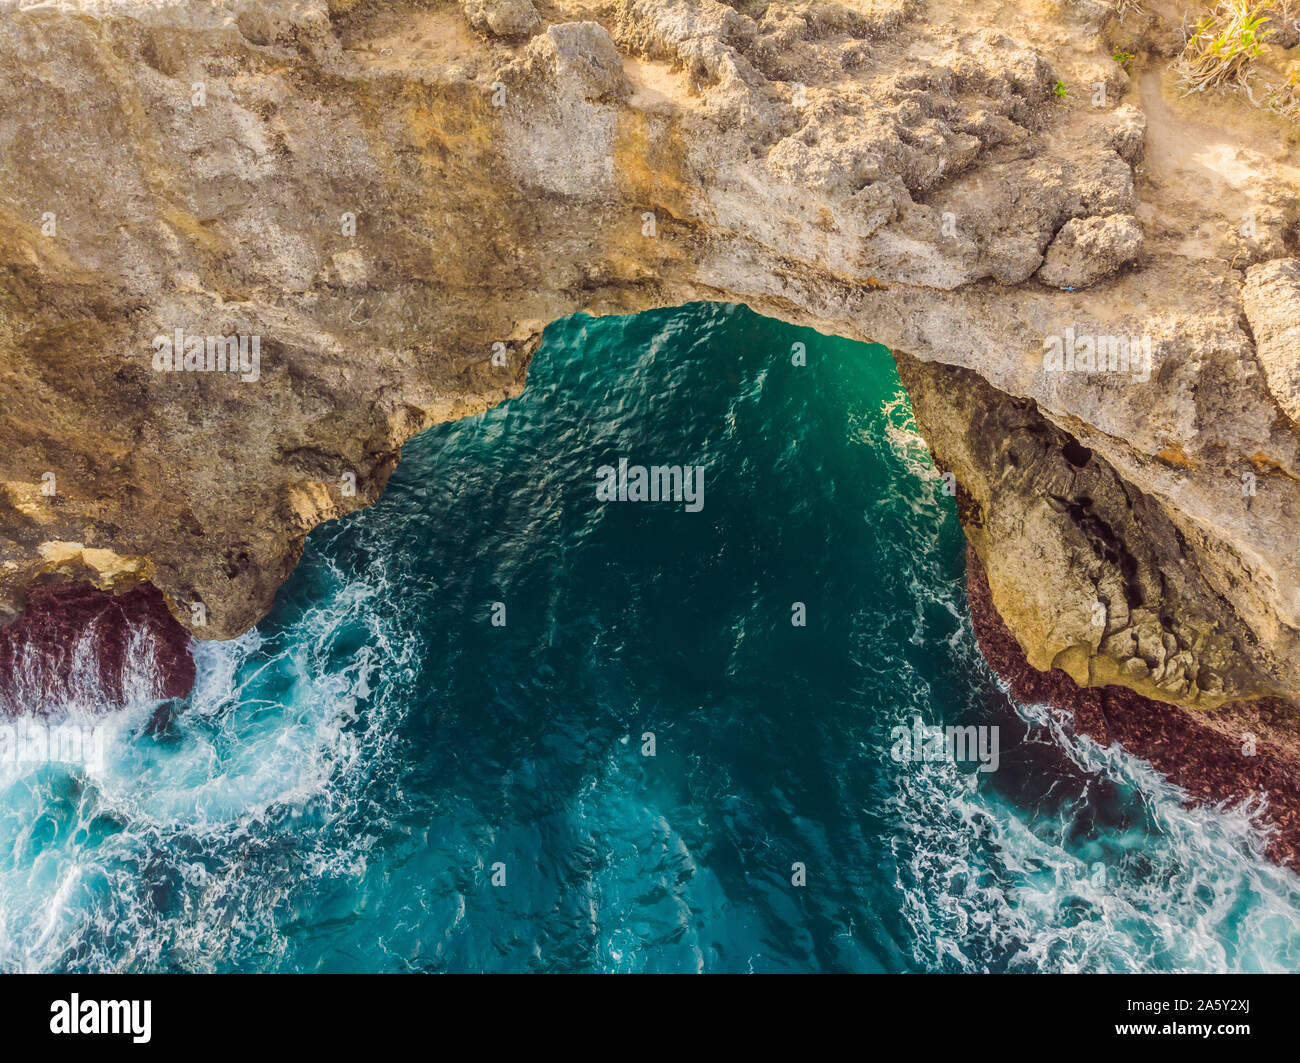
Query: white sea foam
986 887
203 848
270 732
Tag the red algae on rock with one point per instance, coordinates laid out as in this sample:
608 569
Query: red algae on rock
74 643
1204 753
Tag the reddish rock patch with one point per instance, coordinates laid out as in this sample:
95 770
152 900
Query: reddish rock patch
1201 752
71 633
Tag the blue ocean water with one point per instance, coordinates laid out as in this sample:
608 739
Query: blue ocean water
348 779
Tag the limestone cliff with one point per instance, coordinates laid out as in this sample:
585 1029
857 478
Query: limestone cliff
392 199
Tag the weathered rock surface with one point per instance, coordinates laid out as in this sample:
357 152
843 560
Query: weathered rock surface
1120 599
882 170
1272 300
512 19
1088 249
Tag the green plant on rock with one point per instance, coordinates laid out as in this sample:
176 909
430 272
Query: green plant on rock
1221 45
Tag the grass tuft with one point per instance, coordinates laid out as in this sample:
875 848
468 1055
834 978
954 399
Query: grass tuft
1221 46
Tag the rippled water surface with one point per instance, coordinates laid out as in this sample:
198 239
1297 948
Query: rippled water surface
346 777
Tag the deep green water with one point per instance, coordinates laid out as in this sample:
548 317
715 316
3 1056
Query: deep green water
345 778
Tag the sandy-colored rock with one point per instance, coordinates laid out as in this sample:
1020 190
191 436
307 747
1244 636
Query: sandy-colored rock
1102 576
1272 300
511 19
1126 132
1088 249
386 196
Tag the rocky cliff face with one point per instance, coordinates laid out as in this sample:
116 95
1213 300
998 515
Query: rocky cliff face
249 248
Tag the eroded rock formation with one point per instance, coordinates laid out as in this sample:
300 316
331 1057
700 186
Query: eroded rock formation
394 198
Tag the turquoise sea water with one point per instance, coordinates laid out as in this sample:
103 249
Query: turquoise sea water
347 779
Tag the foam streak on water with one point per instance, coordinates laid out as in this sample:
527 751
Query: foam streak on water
344 778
